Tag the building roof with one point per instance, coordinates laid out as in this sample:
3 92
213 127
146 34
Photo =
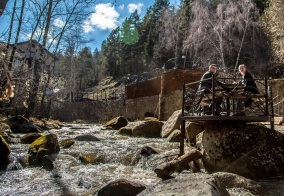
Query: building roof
37 43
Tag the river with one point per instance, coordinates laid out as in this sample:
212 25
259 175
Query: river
117 157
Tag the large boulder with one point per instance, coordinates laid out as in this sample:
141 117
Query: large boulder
4 153
192 129
171 124
174 136
20 124
189 184
121 187
249 150
147 129
233 181
116 123
44 145
30 138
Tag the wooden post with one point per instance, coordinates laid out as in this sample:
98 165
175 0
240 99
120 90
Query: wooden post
272 109
266 96
182 134
213 95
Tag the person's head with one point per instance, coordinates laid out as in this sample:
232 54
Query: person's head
213 68
242 69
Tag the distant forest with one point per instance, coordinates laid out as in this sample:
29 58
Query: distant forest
191 36
194 35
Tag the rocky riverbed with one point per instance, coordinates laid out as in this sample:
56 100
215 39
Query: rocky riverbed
101 158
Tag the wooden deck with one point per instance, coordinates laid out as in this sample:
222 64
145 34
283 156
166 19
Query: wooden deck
193 107
228 118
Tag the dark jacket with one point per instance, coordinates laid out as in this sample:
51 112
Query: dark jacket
206 82
249 83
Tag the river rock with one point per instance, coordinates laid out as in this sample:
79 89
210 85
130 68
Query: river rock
67 143
47 162
145 151
249 150
188 184
174 136
88 138
147 129
121 187
116 123
30 138
88 158
192 129
44 145
47 124
20 124
171 124
125 131
4 153
232 181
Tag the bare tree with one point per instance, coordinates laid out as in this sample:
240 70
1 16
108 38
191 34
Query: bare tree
273 23
224 35
164 49
17 32
70 14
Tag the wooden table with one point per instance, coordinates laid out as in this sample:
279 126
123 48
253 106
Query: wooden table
232 92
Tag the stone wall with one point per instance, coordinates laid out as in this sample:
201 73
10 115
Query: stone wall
102 111
169 103
143 89
173 80
90 111
162 97
136 108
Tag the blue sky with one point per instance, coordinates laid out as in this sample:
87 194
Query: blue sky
105 17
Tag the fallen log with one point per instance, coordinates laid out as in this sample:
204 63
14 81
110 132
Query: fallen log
164 170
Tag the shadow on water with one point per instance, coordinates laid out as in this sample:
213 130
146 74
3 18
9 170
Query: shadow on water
275 186
57 179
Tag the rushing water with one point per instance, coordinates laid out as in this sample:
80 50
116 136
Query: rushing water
116 157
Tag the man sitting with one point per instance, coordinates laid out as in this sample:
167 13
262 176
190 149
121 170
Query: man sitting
205 87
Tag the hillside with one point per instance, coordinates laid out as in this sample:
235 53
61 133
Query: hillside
110 83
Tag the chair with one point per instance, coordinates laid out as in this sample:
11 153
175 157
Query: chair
197 102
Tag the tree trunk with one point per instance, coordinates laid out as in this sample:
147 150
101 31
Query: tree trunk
166 169
2 6
34 89
48 19
17 35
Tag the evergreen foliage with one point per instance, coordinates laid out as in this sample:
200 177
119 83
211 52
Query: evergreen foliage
193 35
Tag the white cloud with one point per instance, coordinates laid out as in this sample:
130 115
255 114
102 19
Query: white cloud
132 7
58 22
105 17
87 26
